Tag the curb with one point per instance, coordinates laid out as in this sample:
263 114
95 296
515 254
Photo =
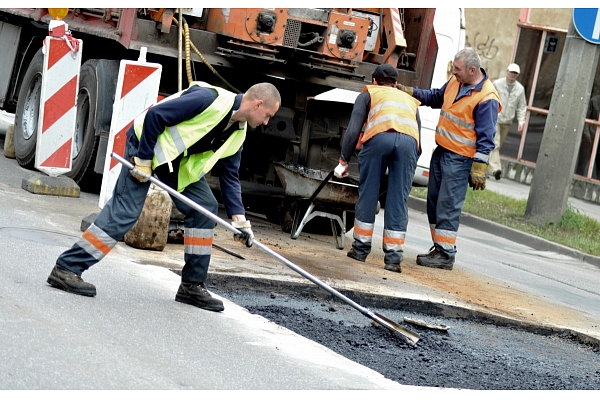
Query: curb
511 234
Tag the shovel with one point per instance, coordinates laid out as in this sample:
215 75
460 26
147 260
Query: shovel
409 336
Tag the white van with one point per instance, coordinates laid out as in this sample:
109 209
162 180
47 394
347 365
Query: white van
450 34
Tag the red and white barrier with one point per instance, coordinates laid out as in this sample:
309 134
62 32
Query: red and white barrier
137 90
58 104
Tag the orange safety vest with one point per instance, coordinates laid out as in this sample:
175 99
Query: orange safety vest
391 109
456 127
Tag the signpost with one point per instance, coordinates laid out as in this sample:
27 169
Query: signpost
587 23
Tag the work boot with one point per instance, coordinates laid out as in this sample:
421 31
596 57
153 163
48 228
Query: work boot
68 281
393 267
197 295
497 175
436 258
357 257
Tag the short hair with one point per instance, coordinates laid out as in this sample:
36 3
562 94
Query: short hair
470 56
266 92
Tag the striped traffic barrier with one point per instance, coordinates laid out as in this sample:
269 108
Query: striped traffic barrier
137 90
58 103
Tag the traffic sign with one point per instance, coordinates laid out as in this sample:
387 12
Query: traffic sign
587 23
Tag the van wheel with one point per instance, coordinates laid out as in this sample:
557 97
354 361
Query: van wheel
27 113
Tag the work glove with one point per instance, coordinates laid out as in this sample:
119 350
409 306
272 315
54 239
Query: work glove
341 171
142 169
477 175
406 89
246 236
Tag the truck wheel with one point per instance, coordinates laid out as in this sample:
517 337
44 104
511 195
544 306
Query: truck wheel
85 140
27 113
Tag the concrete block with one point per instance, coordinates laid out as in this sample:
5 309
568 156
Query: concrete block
9 144
51 185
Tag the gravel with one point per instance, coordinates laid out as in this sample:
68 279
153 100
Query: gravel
469 355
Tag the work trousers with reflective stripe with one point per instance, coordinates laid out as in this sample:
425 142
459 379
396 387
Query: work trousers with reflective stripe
397 153
123 210
446 191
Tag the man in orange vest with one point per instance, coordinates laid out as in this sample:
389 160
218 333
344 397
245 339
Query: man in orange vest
465 137
392 130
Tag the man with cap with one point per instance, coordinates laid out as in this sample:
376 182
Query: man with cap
512 96
390 141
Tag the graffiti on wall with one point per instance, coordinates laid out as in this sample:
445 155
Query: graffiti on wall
486 48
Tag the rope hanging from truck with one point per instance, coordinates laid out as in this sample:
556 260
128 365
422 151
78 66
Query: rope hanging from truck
188 44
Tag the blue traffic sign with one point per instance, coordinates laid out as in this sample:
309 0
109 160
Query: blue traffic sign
587 23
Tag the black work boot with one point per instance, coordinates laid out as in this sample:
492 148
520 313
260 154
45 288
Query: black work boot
436 258
393 267
197 295
68 281
357 257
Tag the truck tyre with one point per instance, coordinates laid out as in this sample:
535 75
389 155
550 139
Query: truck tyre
85 140
27 112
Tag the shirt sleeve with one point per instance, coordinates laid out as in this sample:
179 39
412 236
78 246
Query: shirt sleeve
433 98
485 115
171 112
357 120
229 180
521 108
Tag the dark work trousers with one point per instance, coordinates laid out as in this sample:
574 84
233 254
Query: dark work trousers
122 211
446 191
397 153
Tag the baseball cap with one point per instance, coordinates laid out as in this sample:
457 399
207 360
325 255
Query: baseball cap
514 68
385 71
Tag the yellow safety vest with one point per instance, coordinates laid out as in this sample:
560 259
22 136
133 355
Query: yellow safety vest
391 109
175 140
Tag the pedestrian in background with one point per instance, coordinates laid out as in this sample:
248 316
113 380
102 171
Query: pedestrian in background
512 97
179 139
465 138
390 142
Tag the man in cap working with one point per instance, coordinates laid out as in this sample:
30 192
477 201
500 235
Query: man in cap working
180 140
392 130
512 96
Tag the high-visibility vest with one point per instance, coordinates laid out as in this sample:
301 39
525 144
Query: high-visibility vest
175 140
391 109
456 127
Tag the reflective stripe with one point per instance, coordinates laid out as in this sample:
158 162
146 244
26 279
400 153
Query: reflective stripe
444 238
454 137
393 240
389 104
482 157
392 117
460 122
198 241
177 139
363 231
96 242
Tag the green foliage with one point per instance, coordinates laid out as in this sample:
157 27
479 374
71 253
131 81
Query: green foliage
574 230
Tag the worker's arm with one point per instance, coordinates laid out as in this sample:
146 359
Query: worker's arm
485 115
357 120
433 98
231 189
171 112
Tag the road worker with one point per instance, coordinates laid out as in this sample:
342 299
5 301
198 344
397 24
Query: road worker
465 138
179 139
390 142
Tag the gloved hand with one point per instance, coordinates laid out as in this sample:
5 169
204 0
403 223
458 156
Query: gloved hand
407 89
477 175
142 169
246 236
341 171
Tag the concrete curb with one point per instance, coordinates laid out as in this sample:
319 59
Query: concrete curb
512 234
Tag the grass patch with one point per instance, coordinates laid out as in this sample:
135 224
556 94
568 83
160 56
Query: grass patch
574 230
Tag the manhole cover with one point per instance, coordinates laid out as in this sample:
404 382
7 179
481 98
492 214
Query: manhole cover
40 235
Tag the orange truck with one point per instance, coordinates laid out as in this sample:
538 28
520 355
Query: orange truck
302 51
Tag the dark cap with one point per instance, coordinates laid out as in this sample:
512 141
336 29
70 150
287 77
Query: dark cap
385 71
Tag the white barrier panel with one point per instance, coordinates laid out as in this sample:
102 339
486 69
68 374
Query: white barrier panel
58 104
137 89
